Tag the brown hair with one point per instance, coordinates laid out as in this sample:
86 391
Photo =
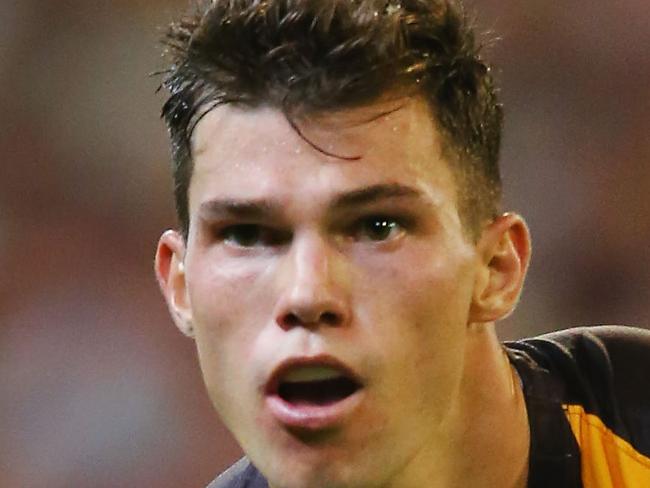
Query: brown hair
321 55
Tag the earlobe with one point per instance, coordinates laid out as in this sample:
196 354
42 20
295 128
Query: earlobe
504 250
170 273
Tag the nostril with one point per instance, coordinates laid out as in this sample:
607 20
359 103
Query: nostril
330 318
291 320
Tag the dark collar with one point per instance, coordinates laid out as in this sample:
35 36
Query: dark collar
554 453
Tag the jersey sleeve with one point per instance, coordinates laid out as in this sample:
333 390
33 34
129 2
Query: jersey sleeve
629 353
610 371
605 372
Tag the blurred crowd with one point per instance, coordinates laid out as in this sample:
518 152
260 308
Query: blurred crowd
97 388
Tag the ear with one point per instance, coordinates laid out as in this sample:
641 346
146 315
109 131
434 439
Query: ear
170 272
504 251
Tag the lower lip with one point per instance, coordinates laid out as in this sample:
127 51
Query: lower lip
313 417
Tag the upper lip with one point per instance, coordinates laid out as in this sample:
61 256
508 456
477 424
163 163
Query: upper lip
273 382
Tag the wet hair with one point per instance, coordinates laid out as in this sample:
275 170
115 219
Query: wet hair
316 56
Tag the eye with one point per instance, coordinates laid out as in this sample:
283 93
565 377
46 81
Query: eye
252 235
378 228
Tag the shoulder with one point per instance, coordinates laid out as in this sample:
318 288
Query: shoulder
242 474
596 358
604 369
620 352
596 354
614 338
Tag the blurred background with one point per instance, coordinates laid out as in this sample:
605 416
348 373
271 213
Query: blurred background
97 388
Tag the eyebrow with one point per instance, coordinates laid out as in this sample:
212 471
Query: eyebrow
265 208
244 209
375 193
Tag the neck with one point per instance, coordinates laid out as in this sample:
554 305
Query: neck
492 425
486 438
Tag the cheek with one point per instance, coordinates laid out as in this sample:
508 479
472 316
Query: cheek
227 294
417 311
230 304
419 288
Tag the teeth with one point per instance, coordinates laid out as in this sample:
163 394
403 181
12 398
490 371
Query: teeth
311 373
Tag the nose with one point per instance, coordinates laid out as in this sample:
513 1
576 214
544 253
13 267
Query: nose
313 284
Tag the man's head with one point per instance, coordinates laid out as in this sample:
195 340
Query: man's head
308 57
340 307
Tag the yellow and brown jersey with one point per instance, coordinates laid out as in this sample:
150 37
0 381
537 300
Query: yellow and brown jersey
588 398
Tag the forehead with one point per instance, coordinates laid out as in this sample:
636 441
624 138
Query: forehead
256 153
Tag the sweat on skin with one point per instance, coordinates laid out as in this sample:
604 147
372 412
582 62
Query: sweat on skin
292 253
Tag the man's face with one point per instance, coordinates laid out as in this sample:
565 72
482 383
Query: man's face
329 297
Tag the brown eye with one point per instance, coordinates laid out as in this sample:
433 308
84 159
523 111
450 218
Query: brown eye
253 235
378 228
242 235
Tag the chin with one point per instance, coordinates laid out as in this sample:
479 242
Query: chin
313 480
293 472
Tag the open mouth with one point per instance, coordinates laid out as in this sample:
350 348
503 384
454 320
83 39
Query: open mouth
313 393
318 391
315 383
